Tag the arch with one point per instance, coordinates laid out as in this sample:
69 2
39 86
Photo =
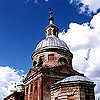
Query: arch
50 32
54 32
27 90
34 63
62 60
31 89
56 98
36 85
51 57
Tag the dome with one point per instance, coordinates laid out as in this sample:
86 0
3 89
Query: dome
75 79
52 42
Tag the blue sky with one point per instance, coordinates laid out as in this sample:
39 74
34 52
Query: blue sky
22 24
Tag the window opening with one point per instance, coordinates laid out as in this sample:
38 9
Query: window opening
31 88
49 32
56 98
36 85
87 97
51 57
62 59
26 90
71 97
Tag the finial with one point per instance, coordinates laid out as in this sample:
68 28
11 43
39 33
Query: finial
50 11
51 19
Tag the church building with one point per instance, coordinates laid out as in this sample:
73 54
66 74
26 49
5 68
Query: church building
52 76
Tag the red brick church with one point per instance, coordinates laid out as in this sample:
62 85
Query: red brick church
52 76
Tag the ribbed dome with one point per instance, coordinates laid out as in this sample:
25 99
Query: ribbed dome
51 42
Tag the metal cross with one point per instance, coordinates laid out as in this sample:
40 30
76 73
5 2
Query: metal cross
50 11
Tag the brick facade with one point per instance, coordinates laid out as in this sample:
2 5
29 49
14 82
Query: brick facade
52 62
73 92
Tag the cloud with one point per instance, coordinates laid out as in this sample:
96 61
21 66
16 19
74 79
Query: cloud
84 42
86 6
8 78
83 6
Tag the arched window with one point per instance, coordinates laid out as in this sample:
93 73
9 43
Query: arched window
26 90
51 57
40 62
54 32
62 59
70 61
36 86
34 63
31 88
49 32
71 97
56 98
87 97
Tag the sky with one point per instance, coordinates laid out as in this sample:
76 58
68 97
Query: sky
22 25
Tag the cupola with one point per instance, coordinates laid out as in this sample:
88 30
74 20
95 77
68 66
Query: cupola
51 29
52 51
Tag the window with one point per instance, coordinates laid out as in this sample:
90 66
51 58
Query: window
87 97
26 90
36 86
56 98
34 63
31 88
51 57
70 97
70 61
62 59
55 32
40 62
49 32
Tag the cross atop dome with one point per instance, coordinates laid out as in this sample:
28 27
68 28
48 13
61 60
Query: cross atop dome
50 11
51 19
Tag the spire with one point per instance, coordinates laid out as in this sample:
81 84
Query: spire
51 19
51 29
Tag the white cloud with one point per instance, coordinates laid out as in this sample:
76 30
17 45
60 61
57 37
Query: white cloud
87 6
8 78
83 6
84 43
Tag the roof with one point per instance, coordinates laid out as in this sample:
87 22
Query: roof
75 79
51 42
16 95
